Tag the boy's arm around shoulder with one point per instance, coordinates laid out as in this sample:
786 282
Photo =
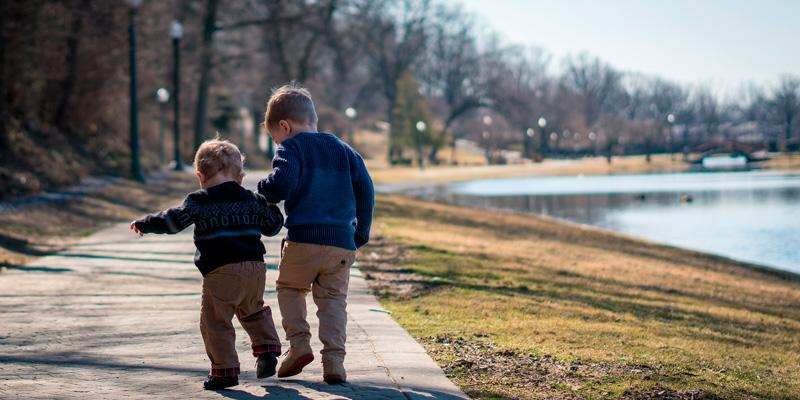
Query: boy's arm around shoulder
284 176
365 199
171 220
272 220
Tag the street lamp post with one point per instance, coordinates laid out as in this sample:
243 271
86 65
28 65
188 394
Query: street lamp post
421 127
244 121
176 32
487 137
270 147
542 122
670 122
136 169
527 146
351 114
162 96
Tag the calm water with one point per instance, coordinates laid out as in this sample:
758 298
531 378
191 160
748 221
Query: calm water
749 216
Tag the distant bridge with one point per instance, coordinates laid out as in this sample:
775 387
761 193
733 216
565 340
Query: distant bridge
729 148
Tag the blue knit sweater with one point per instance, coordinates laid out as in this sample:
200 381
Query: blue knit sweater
328 192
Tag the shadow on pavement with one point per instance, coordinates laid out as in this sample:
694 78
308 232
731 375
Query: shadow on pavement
346 391
152 276
34 268
78 360
63 295
22 246
134 240
119 251
102 257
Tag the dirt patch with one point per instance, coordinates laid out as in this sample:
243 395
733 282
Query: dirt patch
30 229
480 366
383 268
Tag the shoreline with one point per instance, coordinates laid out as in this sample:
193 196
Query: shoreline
626 165
768 269
416 190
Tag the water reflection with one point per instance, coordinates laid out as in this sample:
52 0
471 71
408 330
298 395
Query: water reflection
748 216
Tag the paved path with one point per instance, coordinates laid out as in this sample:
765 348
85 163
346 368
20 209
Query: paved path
117 316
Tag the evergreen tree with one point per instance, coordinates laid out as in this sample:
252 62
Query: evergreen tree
410 108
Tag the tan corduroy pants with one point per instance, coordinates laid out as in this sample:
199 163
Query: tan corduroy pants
236 289
325 271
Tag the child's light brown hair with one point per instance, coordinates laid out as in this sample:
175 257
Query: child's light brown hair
217 155
290 102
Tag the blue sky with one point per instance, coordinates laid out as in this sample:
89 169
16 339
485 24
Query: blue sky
719 42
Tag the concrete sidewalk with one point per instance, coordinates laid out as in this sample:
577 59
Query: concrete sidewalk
117 316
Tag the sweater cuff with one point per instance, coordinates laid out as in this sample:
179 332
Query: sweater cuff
139 224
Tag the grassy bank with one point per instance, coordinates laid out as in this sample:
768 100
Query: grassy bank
521 307
34 229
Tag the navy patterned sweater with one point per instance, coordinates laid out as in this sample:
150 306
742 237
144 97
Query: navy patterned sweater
328 192
228 223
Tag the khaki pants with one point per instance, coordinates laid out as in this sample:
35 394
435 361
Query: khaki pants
325 271
236 289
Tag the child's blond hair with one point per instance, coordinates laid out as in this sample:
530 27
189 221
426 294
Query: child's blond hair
290 102
217 155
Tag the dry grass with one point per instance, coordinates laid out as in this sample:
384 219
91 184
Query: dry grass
374 146
661 163
788 162
627 319
587 166
35 230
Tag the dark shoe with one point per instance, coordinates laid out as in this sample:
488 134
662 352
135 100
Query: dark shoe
333 379
296 358
220 382
333 371
265 365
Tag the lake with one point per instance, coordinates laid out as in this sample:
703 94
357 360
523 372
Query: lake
748 216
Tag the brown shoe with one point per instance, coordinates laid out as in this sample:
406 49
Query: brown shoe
296 358
333 370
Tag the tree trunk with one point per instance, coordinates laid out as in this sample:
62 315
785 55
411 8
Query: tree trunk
418 145
453 160
432 155
209 26
527 146
543 142
3 104
393 150
68 84
685 140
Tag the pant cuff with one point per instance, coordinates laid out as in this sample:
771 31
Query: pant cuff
266 348
218 372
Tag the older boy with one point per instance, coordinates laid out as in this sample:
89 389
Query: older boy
229 221
329 201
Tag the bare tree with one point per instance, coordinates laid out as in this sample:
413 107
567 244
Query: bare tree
648 103
452 71
598 89
394 35
785 104
518 89
293 33
707 112
597 83
203 83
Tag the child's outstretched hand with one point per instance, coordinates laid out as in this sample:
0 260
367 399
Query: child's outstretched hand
135 229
